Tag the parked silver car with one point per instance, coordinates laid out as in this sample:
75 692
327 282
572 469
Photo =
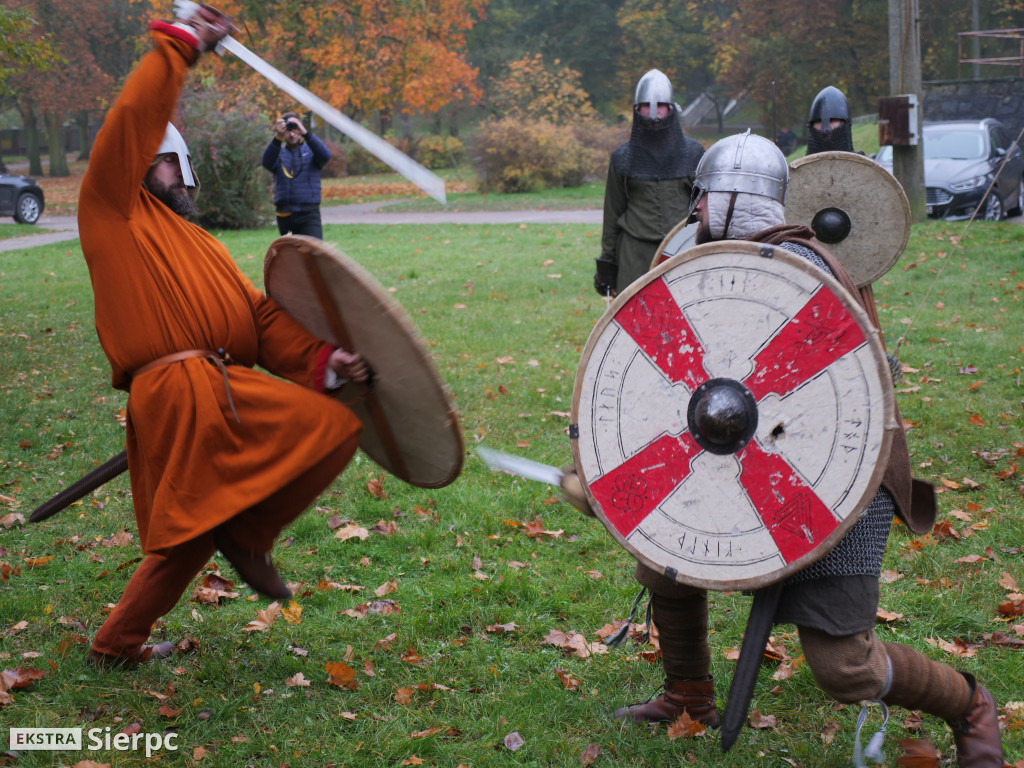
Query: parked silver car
961 157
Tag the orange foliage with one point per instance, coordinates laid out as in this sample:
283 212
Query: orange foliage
362 56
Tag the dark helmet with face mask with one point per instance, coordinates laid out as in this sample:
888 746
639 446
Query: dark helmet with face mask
830 104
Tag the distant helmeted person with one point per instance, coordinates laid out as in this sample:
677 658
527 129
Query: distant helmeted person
648 189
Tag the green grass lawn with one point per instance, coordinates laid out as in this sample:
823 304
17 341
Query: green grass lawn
457 662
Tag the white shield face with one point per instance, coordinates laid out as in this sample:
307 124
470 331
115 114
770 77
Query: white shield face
741 496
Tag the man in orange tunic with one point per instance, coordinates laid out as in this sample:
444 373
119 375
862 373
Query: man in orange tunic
220 456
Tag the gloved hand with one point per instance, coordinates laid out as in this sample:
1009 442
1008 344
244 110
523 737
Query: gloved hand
207 24
572 490
606 277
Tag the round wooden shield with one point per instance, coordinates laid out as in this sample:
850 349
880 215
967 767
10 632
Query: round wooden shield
856 208
681 237
732 415
410 426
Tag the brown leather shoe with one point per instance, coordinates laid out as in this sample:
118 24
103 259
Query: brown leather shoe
255 568
978 743
147 652
695 697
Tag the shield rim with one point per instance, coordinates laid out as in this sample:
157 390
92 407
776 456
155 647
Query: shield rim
888 421
398 315
886 261
657 260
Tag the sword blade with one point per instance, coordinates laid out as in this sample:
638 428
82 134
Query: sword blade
517 465
759 629
426 180
75 491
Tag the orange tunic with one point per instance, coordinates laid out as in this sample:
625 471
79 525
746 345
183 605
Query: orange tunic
163 285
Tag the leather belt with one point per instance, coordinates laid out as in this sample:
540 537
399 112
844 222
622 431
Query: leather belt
220 358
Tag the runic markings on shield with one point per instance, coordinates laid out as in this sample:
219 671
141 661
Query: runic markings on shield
654 320
791 511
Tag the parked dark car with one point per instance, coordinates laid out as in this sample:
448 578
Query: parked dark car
21 198
961 157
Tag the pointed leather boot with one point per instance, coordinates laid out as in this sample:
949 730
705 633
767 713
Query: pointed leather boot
695 697
978 743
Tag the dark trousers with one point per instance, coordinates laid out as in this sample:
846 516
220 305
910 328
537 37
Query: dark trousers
301 223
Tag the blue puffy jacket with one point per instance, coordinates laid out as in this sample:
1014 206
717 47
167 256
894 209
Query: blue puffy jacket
296 172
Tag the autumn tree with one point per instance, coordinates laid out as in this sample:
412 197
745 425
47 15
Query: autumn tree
582 34
532 89
801 47
382 58
677 38
76 28
21 49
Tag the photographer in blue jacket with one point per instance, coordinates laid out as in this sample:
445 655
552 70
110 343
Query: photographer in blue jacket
295 156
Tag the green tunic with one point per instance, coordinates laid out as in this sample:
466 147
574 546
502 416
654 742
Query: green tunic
637 216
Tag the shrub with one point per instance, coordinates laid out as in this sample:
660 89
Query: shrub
439 152
515 156
337 166
532 89
362 163
226 145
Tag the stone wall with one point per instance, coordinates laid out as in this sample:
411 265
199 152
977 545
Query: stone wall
1001 98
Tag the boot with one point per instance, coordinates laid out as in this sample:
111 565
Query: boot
147 652
256 568
978 743
682 622
695 697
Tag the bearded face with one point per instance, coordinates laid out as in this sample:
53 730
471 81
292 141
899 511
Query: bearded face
165 183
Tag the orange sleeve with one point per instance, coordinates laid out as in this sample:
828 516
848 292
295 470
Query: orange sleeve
134 127
286 349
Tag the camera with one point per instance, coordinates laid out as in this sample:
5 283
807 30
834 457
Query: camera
291 125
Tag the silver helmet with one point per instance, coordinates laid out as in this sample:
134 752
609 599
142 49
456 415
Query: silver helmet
173 142
653 89
743 163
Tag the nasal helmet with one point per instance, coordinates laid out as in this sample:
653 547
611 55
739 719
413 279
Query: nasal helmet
653 89
830 104
174 143
743 163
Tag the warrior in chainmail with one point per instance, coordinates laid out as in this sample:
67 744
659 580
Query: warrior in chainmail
828 125
739 194
648 188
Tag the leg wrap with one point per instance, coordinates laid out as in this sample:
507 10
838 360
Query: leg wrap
681 615
920 683
850 668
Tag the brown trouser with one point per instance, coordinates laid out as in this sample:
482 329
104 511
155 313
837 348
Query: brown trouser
849 668
162 578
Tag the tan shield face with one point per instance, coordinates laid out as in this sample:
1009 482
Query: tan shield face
410 426
856 208
732 416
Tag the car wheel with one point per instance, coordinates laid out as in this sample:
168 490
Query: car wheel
1018 209
993 208
28 209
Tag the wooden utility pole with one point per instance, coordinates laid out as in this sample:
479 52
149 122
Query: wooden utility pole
905 79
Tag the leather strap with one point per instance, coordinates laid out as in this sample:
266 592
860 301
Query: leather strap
220 358
173 358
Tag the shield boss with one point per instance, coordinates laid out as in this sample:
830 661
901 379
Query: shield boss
731 415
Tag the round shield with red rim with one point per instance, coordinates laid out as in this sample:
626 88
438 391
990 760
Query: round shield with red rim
732 415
